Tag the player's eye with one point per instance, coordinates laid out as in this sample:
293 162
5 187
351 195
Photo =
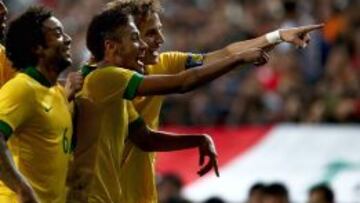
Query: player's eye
135 37
58 32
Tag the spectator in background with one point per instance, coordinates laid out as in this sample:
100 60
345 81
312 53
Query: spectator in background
321 193
276 193
214 200
256 193
169 189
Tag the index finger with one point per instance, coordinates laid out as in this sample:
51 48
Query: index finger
309 28
216 168
206 168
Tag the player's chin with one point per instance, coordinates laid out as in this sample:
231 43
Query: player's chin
2 35
138 66
151 59
64 63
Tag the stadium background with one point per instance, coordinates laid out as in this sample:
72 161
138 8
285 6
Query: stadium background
317 90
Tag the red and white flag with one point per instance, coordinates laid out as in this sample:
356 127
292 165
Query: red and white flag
299 156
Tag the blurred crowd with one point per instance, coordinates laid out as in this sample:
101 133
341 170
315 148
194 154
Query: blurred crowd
170 185
318 84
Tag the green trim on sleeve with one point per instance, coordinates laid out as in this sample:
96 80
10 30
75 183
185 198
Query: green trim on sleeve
194 60
5 129
137 123
130 91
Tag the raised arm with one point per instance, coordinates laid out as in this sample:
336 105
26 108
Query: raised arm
190 79
298 36
12 177
150 141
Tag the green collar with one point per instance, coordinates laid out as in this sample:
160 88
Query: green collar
36 75
86 69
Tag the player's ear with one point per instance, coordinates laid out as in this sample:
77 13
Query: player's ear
109 45
39 50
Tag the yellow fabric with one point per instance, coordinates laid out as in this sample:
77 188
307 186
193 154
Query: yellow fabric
102 127
139 184
40 142
6 71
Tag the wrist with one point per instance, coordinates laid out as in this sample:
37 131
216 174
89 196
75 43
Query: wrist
274 37
205 139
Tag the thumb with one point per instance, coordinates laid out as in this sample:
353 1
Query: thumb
298 42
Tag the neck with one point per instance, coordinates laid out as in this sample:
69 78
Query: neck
48 72
106 63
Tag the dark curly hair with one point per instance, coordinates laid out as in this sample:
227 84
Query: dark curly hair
25 34
104 26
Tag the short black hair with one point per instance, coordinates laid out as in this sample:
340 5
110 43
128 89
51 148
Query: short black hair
276 189
173 179
25 34
104 26
325 190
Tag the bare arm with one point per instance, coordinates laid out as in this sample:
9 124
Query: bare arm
150 140
297 36
11 176
195 77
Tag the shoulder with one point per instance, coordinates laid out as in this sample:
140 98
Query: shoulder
111 72
20 87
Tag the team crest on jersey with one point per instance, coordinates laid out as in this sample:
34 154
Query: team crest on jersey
194 60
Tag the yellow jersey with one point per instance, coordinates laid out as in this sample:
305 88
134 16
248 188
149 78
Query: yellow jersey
35 118
139 184
6 70
103 115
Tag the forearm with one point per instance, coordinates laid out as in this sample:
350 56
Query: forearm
164 141
187 80
8 172
259 42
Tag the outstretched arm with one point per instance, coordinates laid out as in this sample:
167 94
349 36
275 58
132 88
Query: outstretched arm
150 140
298 36
11 176
190 79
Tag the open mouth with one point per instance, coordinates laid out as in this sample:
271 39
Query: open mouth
67 51
2 26
154 51
140 58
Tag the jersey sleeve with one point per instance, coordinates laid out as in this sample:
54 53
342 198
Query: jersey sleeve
175 62
113 83
16 99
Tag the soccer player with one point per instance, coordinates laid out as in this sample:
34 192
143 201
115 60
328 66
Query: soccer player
105 119
139 184
35 121
73 81
6 71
